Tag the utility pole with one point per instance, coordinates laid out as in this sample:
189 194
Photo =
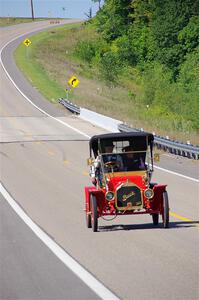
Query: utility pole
32 9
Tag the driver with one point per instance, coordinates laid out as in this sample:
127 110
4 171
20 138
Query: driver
115 161
111 157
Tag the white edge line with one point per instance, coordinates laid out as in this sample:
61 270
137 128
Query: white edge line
64 123
74 266
41 110
178 174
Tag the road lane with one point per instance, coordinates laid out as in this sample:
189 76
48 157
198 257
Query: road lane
55 202
29 270
128 254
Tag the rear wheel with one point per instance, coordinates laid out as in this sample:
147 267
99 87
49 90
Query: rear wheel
88 219
155 218
165 211
94 217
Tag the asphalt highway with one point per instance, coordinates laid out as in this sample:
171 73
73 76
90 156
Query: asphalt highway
29 270
43 167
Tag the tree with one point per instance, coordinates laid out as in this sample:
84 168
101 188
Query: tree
188 36
168 19
113 19
89 14
99 3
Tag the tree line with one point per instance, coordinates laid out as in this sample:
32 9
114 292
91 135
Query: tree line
156 44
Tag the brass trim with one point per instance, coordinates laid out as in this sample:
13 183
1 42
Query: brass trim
124 174
90 161
152 193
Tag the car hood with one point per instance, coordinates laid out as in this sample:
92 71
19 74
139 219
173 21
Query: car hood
115 181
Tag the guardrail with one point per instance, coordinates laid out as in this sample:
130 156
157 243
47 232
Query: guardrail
69 105
171 146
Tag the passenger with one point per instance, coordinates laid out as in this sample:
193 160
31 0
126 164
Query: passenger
132 161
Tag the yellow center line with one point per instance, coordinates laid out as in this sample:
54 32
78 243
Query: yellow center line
3 112
51 153
85 173
172 214
15 122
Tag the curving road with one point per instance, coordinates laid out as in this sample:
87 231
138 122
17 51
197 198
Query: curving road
43 166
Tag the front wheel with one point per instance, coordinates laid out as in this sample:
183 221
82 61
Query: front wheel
88 219
165 211
155 218
94 216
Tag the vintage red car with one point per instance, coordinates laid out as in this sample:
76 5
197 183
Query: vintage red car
121 166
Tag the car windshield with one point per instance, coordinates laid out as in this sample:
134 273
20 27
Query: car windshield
124 161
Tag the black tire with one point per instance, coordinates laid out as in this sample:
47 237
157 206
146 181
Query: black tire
165 212
94 217
155 218
88 220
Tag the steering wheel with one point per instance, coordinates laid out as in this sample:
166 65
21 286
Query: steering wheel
112 164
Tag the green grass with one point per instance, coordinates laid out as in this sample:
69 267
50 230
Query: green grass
26 59
13 21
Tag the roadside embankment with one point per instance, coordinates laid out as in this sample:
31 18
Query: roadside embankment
51 60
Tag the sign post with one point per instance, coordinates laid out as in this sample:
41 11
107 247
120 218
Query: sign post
27 43
67 94
73 82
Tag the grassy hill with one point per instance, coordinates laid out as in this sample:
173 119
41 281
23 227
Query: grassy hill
118 78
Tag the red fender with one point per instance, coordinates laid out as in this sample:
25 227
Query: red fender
99 196
88 191
158 189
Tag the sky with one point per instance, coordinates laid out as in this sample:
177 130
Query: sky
47 8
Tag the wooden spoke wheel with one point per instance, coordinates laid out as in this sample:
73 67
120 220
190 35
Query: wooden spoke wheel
88 219
165 210
94 215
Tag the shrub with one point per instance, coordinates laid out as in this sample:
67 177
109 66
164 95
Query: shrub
122 46
110 67
85 50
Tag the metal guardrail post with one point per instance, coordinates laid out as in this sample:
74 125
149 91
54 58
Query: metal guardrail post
70 106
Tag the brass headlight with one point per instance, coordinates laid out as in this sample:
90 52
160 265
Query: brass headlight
109 196
149 193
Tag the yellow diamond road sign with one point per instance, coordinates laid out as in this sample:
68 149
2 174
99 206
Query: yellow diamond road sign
27 42
73 81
